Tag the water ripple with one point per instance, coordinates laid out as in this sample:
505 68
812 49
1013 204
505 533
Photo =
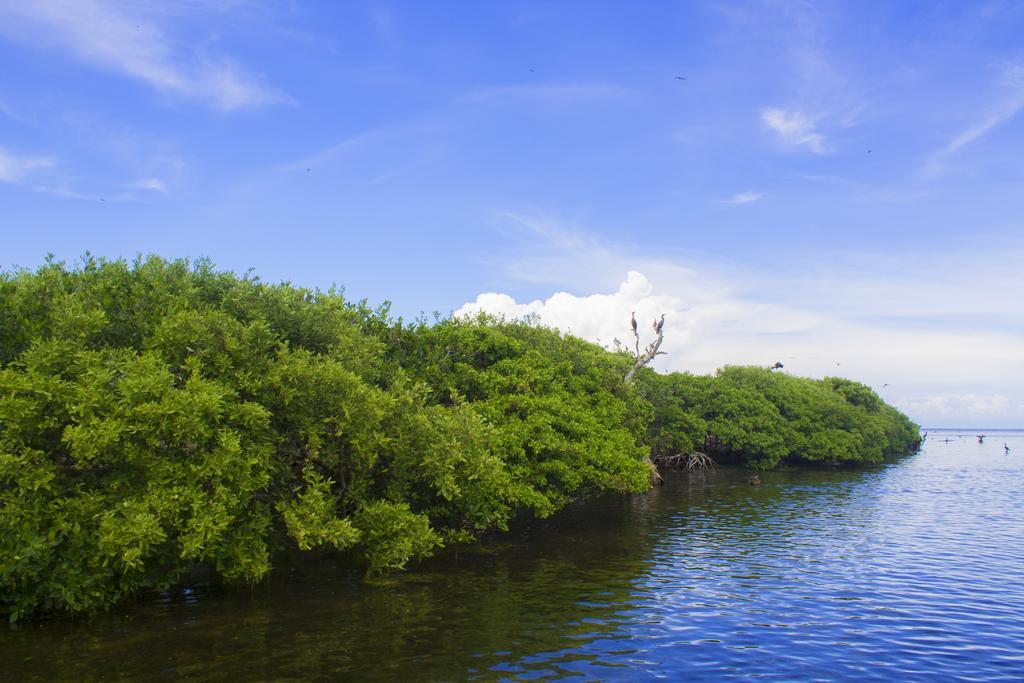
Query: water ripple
906 572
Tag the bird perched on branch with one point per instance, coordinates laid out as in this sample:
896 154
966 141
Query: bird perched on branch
632 321
658 324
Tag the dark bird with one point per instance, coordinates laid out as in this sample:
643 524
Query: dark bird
869 151
1006 448
632 321
777 366
754 480
307 170
658 324
680 78
885 385
981 438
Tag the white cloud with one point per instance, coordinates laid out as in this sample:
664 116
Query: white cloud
794 128
124 38
603 317
858 321
707 328
13 168
742 198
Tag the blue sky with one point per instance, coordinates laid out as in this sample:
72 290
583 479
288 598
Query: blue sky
832 183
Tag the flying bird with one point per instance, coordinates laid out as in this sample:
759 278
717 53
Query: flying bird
777 366
981 438
632 321
680 78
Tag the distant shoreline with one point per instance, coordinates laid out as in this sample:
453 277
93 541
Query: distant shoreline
972 429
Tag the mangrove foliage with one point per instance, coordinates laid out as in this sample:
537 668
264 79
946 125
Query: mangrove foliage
161 416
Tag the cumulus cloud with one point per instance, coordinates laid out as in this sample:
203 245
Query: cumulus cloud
794 128
816 324
707 329
13 168
124 38
742 198
597 317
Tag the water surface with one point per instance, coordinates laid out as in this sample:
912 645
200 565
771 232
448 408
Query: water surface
910 570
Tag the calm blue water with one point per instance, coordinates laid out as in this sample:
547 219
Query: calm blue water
911 571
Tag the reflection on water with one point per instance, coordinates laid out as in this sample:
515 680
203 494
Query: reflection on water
909 570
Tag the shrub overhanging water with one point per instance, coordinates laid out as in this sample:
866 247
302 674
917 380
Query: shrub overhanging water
159 416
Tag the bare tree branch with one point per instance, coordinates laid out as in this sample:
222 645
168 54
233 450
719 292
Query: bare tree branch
650 352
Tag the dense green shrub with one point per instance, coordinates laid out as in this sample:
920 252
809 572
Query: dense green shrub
564 421
762 417
156 416
160 416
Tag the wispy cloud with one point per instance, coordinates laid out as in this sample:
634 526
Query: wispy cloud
742 198
63 192
794 128
984 125
332 151
9 112
1010 104
124 38
548 93
152 184
821 85
960 406
383 21
14 168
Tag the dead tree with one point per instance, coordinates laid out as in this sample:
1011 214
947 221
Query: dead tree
651 351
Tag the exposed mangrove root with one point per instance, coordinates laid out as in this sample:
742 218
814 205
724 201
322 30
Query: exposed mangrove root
699 461
690 461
